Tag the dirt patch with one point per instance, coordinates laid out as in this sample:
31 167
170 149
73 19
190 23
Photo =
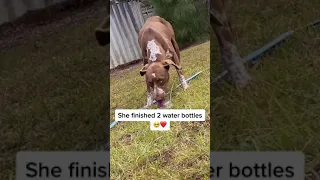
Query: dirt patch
38 24
164 157
127 138
192 162
195 125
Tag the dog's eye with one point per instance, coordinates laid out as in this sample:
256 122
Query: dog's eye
160 81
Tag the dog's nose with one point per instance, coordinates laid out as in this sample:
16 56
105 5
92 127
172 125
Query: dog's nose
159 97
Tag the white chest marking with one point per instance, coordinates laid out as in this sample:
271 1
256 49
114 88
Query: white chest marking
153 74
154 50
161 91
157 89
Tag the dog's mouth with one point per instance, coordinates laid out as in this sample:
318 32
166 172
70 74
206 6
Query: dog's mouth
161 103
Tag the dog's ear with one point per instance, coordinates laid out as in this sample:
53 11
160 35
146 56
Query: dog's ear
166 63
144 70
166 66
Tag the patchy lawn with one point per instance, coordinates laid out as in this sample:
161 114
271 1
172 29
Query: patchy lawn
54 94
280 110
181 153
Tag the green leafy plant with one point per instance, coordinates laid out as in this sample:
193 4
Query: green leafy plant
189 19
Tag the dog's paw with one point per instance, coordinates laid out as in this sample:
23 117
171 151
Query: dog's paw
185 86
145 107
168 104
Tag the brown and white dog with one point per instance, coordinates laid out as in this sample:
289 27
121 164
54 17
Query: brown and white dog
159 51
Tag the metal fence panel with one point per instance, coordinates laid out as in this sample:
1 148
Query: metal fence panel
124 29
126 20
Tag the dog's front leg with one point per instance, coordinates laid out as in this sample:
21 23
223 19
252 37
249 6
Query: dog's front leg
149 97
176 59
182 79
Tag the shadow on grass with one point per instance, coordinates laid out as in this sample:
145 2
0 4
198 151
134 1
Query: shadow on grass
53 95
280 109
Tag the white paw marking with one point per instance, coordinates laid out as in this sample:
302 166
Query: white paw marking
183 82
168 104
154 50
185 86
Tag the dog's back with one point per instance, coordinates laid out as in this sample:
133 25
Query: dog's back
160 30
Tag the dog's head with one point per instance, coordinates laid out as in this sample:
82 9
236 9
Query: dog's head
157 78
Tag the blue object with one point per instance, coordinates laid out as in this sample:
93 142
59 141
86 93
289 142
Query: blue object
254 56
113 124
315 23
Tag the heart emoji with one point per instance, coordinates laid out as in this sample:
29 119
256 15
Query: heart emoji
163 123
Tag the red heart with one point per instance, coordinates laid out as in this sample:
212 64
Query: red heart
163 123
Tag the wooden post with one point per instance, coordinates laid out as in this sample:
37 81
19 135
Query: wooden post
229 55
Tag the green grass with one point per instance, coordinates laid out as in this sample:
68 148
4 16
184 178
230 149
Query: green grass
53 95
280 110
181 153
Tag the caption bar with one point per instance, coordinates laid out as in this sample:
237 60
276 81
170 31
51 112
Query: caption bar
62 165
257 165
160 114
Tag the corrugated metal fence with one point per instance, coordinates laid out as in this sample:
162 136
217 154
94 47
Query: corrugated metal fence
126 20
147 12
